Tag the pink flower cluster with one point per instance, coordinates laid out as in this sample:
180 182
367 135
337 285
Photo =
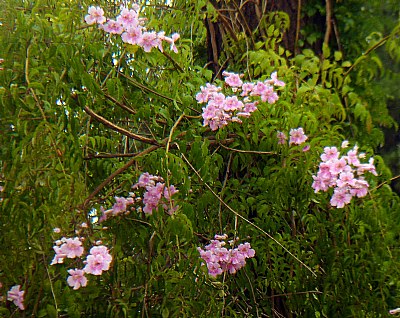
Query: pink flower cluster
296 136
222 109
343 173
219 259
131 28
67 247
16 296
156 194
98 260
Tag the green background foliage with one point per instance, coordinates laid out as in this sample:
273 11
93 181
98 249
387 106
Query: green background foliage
60 162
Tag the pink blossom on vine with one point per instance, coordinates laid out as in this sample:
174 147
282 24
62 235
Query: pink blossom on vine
297 136
67 248
128 18
98 261
232 104
306 148
274 80
121 204
220 259
222 109
340 197
360 188
149 40
247 88
337 166
169 192
171 40
132 35
77 278
113 27
246 250
131 28
16 296
345 144
344 174
152 197
330 153
144 181
232 79
366 167
250 107
96 15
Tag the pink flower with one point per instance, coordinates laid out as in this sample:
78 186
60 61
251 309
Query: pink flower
319 184
169 192
247 88
337 166
175 37
113 27
340 197
232 79
246 250
346 179
220 259
274 80
71 247
56 230
120 205
250 107
149 40
77 278
297 136
360 188
394 311
221 237
145 180
16 296
345 144
232 103
58 257
128 18
361 168
98 261
352 157
306 148
260 89
96 15
132 35
330 153
214 269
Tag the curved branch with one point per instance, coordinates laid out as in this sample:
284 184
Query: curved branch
125 132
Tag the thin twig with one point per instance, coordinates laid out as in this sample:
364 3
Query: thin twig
372 48
110 155
384 182
147 89
249 151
